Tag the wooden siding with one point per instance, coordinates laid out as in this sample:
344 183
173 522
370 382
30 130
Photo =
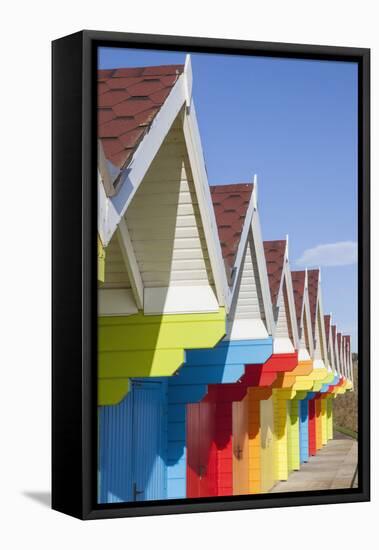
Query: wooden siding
223 364
133 445
281 446
254 434
324 421
283 322
164 220
116 275
267 444
100 260
240 447
318 423
312 427
303 430
249 303
145 346
329 414
293 435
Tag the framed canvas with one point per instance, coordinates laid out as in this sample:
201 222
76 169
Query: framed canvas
211 276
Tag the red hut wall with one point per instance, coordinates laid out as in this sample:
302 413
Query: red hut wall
312 427
201 450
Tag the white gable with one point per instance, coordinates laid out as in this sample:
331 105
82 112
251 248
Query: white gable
247 317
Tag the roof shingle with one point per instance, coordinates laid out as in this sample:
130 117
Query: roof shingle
128 101
327 319
313 279
298 285
275 254
230 204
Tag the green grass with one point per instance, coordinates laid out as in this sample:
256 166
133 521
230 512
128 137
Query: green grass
346 431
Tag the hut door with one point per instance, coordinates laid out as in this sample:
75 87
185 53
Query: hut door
267 445
132 449
148 481
240 448
201 452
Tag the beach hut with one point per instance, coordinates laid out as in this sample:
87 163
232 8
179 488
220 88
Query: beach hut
300 405
322 370
286 343
164 287
248 340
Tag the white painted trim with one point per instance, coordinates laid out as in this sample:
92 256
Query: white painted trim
196 159
188 79
331 348
286 277
180 299
320 311
262 268
238 263
143 157
291 300
318 364
303 355
336 355
245 329
114 302
283 345
102 209
307 314
130 262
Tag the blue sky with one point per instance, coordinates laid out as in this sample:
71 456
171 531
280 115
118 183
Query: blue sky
294 124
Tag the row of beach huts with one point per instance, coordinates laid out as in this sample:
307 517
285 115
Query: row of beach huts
217 365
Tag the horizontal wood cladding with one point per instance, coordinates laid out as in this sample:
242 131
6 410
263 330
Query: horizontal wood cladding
282 326
145 346
293 435
329 416
249 302
100 260
281 435
116 275
164 220
324 422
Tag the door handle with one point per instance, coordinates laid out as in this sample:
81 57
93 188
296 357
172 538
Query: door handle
201 471
135 491
238 452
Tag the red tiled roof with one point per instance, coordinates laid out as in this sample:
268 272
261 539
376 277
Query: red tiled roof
274 253
347 340
313 278
334 333
339 342
298 285
230 204
327 319
128 101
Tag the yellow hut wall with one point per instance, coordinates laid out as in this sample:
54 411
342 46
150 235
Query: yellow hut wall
149 345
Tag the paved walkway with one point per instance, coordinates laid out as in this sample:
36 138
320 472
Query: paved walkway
332 468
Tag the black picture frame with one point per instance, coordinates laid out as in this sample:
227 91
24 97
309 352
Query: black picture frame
74 207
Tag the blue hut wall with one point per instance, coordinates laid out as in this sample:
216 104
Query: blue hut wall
303 427
133 444
223 364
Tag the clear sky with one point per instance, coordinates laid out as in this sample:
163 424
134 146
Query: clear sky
294 124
